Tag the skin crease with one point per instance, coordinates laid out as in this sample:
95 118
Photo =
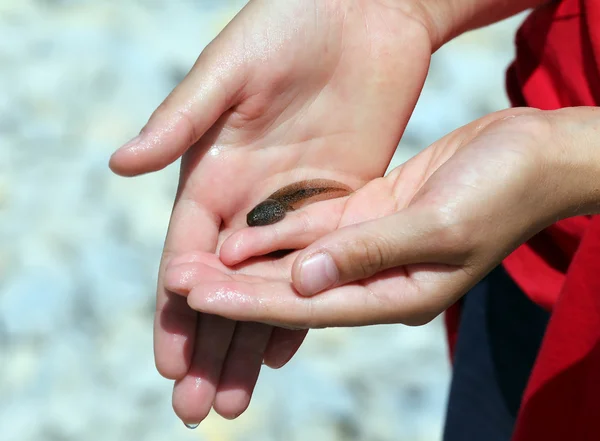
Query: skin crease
294 196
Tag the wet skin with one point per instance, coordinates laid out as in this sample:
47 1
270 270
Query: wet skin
292 197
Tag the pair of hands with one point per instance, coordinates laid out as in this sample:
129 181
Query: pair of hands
299 90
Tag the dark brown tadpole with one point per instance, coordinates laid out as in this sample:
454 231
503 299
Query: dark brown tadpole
292 197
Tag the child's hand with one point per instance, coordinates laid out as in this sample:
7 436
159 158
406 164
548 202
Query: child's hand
290 90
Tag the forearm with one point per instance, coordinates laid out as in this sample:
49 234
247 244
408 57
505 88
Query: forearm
446 19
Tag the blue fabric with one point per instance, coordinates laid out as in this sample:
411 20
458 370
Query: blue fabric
499 336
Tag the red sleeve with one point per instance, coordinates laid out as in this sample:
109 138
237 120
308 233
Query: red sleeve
558 65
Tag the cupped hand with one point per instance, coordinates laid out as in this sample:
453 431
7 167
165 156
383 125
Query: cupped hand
288 91
402 248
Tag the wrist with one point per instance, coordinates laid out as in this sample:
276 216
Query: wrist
447 19
573 159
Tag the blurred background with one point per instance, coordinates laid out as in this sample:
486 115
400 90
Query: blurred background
79 247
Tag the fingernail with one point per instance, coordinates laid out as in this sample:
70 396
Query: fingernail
318 272
191 425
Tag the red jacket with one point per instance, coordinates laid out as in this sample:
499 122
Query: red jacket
558 65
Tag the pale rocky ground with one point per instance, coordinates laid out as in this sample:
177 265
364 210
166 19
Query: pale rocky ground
79 247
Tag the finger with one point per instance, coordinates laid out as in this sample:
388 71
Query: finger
183 277
245 354
192 227
357 252
180 278
283 345
241 368
296 231
246 350
183 117
194 394
390 297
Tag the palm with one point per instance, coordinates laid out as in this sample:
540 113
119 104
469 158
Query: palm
454 176
320 84
257 279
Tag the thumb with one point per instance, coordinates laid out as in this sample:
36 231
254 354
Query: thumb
362 250
183 117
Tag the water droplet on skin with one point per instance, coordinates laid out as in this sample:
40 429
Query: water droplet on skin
215 150
191 426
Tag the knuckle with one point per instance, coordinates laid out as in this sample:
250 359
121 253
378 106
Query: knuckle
188 126
168 116
310 319
366 256
453 233
534 122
